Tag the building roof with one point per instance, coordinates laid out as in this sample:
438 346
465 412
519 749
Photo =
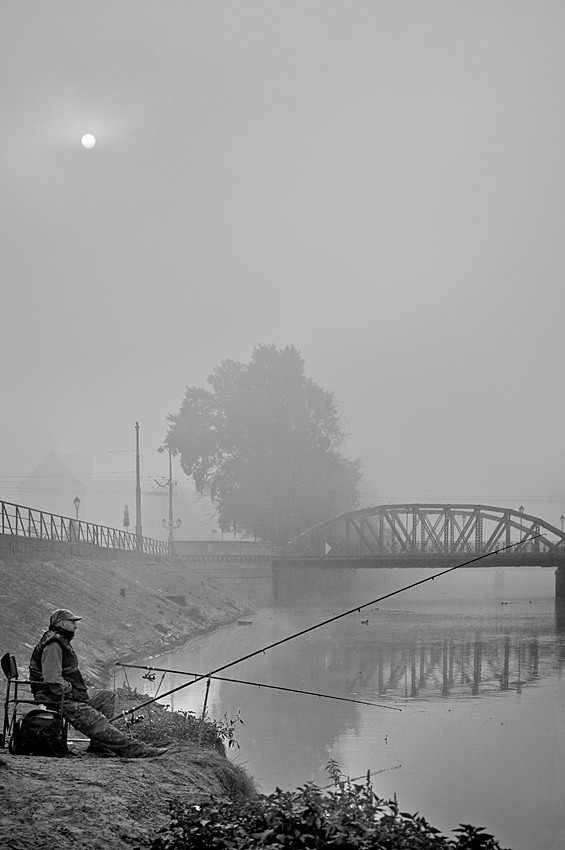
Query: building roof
52 472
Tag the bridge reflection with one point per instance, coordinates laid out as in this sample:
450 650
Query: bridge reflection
389 661
414 669
397 657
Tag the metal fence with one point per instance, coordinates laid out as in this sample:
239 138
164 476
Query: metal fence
30 522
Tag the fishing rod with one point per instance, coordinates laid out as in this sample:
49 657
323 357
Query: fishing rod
325 623
257 685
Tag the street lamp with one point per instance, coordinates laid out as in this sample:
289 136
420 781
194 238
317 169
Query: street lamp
521 509
562 520
76 503
171 525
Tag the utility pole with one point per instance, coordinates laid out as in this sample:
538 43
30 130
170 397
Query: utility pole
170 483
138 528
170 497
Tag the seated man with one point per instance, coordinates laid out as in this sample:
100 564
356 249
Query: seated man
54 671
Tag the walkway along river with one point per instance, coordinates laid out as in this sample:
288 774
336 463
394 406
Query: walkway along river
474 663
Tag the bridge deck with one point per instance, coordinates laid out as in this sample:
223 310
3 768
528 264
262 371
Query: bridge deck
402 561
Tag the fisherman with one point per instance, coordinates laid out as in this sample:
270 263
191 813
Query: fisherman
54 672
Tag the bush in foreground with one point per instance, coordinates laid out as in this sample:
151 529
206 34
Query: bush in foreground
349 817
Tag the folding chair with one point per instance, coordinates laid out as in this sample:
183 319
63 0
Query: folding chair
39 731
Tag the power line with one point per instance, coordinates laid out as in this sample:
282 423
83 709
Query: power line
67 454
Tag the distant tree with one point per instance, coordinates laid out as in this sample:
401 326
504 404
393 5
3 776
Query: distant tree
264 444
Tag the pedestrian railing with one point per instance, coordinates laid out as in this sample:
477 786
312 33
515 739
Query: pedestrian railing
30 522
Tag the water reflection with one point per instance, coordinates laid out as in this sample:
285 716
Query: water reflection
393 657
480 737
449 667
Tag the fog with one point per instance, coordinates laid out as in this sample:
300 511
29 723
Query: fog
380 185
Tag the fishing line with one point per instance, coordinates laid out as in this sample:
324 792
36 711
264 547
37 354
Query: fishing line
330 620
368 775
128 686
160 683
255 684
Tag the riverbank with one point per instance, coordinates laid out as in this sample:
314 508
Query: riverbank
90 803
84 801
126 612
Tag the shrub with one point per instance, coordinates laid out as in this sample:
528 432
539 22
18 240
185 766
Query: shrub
349 817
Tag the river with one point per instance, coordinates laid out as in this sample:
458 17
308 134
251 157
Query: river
473 660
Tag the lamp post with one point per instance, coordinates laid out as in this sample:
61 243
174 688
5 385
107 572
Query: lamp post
562 520
76 503
521 509
171 525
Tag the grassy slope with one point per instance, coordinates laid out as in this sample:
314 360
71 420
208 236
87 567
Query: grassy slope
114 627
84 801
92 803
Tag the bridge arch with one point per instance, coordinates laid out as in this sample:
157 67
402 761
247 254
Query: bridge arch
427 535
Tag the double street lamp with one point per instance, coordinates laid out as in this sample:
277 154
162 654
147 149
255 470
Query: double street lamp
171 525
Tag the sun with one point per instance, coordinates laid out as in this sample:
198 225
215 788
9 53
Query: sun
88 141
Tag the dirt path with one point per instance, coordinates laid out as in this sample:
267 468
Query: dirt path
88 802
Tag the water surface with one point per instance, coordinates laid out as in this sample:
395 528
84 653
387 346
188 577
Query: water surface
475 665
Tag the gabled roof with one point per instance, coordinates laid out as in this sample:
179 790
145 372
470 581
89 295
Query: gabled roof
52 469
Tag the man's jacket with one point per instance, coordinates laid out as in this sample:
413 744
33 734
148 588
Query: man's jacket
67 680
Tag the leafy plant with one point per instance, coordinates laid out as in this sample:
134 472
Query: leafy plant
334 771
226 728
474 838
349 817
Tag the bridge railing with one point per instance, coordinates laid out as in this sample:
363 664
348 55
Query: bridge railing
21 521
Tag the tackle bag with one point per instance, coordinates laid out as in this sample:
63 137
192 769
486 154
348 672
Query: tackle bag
39 733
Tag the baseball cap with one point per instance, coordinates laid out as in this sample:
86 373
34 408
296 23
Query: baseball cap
62 614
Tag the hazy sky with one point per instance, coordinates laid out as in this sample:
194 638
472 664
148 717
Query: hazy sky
379 184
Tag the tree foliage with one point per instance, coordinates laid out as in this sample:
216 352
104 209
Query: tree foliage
264 443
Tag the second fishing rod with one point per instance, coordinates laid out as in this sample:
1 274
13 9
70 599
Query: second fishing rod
209 676
325 623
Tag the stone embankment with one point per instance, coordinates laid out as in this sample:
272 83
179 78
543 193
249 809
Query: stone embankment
84 801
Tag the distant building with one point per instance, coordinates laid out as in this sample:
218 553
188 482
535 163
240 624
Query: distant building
52 487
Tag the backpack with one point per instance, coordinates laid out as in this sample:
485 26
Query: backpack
39 733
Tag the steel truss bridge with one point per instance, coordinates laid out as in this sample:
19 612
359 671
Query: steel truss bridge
427 535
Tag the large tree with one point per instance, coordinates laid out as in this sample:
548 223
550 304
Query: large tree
264 444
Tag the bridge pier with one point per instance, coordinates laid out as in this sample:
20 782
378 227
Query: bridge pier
560 582
560 599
